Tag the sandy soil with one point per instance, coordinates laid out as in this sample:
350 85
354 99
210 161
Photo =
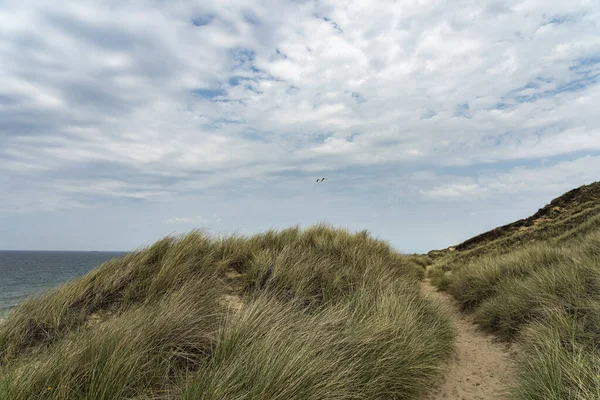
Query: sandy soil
232 298
480 368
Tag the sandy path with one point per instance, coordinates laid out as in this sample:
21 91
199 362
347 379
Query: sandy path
480 368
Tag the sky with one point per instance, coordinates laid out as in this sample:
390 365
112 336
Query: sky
125 121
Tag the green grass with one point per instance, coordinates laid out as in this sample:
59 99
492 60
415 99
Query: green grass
558 364
139 351
547 297
327 314
372 345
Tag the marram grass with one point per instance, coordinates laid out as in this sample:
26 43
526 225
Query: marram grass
326 314
547 297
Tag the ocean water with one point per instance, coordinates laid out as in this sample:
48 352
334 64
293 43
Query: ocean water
26 273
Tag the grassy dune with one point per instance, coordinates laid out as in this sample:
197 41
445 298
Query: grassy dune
545 295
326 314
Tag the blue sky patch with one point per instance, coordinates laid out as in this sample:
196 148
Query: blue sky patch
256 136
461 110
251 17
586 63
203 20
428 114
219 122
238 80
559 19
333 24
358 98
576 85
584 76
503 106
209 93
243 58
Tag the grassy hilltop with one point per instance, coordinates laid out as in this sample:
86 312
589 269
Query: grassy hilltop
537 281
316 314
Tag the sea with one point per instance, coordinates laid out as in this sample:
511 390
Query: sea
27 273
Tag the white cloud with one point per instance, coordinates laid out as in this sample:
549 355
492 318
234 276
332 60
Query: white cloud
555 178
132 101
184 220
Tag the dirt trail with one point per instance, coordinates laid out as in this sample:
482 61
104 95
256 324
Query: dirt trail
480 368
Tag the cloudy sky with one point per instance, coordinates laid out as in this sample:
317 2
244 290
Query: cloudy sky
123 121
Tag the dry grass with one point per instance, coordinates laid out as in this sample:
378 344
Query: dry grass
547 297
327 314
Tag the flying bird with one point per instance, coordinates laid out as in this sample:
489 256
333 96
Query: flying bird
321 180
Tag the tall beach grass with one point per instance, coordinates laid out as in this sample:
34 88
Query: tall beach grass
325 314
547 297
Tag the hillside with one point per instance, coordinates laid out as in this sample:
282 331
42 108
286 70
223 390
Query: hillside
320 313
570 216
536 283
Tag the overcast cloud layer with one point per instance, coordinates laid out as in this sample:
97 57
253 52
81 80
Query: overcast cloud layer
122 121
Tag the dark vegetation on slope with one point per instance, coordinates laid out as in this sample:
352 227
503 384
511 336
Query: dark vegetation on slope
566 212
541 287
320 313
569 216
